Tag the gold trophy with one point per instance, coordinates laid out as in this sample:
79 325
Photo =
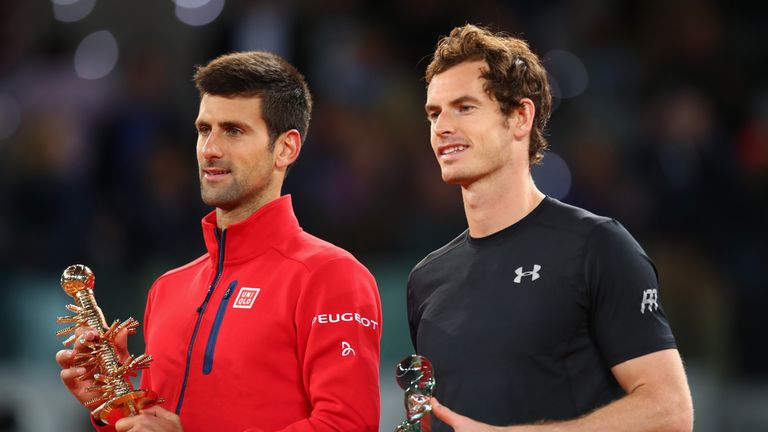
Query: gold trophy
112 378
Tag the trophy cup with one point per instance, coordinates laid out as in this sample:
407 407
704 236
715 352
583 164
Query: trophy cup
111 377
414 375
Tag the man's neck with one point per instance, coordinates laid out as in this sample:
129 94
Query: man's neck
492 205
225 218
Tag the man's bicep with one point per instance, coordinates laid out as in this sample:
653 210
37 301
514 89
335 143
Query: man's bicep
658 372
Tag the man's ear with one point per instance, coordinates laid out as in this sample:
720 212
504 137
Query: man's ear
287 148
521 118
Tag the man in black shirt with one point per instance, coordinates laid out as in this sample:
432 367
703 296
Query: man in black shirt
541 314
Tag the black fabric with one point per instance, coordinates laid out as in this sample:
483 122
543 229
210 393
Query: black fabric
510 349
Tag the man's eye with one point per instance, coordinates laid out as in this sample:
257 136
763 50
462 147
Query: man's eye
234 131
465 108
432 116
202 130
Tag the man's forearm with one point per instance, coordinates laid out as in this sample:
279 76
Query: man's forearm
640 411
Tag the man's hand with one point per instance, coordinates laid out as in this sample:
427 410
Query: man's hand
458 422
154 419
77 379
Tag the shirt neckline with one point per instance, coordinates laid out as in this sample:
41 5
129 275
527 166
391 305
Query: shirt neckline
508 231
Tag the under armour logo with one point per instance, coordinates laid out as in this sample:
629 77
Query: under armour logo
534 274
650 299
346 349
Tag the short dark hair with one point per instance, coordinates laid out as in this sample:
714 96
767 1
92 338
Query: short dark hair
514 72
286 100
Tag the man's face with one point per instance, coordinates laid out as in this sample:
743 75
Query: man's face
469 135
235 163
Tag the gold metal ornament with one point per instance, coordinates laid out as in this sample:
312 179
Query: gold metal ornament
112 378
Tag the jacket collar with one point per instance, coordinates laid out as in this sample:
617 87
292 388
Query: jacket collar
251 237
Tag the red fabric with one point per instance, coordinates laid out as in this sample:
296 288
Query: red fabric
303 357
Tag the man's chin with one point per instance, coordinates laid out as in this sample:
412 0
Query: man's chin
218 201
457 179
451 178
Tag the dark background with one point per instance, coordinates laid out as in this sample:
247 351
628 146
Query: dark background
661 122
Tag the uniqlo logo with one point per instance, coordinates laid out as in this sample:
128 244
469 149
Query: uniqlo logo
245 298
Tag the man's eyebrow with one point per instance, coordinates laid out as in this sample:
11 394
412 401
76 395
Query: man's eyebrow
233 124
463 99
458 101
227 124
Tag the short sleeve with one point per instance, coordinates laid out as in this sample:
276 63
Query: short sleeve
627 318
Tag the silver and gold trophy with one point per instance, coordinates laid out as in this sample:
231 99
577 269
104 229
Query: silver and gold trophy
415 375
117 397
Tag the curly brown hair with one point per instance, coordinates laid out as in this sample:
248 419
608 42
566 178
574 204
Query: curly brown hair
514 72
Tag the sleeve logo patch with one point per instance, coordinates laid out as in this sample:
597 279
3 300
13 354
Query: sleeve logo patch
650 301
345 317
346 349
245 298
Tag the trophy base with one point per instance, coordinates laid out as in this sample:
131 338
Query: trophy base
126 405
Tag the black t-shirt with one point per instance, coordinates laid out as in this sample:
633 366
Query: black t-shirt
524 324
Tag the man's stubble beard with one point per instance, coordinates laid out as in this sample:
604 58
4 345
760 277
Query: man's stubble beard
224 198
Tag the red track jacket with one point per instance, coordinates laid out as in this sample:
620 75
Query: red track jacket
272 330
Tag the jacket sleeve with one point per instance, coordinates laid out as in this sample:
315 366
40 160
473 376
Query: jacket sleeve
338 322
146 374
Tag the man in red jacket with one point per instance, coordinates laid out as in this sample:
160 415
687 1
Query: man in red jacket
272 329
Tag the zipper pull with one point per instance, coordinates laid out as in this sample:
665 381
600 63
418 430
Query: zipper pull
230 288
207 297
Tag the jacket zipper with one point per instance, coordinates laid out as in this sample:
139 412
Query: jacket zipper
211 345
200 311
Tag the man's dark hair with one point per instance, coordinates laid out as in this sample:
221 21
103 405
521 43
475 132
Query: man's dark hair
514 72
286 101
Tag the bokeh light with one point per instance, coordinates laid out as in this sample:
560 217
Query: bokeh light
198 12
96 56
552 176
568 71
72 10
191 4
10 115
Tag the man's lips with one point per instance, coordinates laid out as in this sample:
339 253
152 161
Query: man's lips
214 173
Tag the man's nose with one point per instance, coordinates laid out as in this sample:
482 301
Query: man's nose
443 125
211 148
